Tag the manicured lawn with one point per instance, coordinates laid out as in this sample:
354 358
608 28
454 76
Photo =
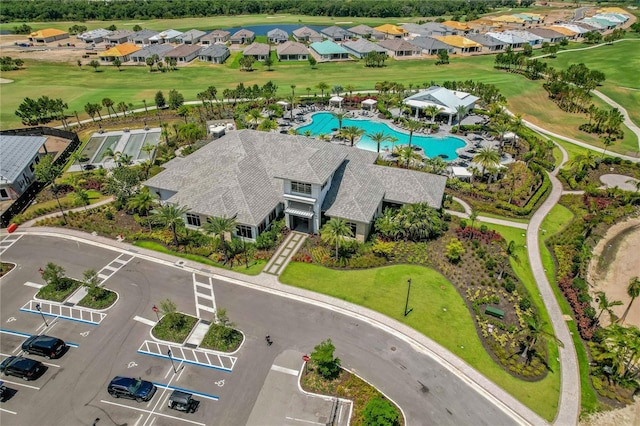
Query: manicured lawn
497 216
254 268
48 292
556 220
384 290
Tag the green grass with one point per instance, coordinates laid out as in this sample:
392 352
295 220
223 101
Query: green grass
384 290
497 216
102 303
218 340
557 219
254 268
166 330
48 292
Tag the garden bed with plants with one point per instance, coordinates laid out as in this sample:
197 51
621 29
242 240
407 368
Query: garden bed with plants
103 301
222 335
5 268
585 170
174 327
476 261
60 291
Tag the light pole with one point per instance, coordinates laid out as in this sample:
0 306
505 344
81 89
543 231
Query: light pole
41 314
172 364
406 304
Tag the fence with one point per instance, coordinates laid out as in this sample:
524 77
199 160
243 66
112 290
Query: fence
24 200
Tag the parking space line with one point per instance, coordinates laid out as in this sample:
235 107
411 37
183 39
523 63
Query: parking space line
21 384
304 421
187 355
7 411
284 370
201 394
27 335
34 285
150 412
57 310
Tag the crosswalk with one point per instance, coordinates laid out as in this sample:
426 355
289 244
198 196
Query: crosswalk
203 358
8 241
114 266
204 297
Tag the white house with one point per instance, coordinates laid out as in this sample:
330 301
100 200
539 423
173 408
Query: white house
447 100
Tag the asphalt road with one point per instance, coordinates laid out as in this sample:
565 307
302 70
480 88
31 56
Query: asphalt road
74 390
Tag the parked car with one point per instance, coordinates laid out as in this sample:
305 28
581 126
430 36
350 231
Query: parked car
46 346
183 401
127 387
27 368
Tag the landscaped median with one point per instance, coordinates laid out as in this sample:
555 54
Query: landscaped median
437 310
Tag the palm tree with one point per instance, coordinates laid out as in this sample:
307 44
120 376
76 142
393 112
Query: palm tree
461 110
500 129
584 161
350 88
339 116
406 156
147 148
108 103
335 232
170 216
322 86
253 117
75 157
379 138
293 90
81 197
635 183
487 157
267 125
143 201
534 332
605 305
109 154
633 290
220 227
412 126
351 133
432 111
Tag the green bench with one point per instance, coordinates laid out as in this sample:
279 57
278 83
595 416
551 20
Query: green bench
493 311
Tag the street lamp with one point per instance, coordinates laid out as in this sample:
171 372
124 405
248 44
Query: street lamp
43 318
172 364
406 304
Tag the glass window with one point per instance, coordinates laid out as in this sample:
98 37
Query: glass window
262 227
193 219
301 188
244 231
353 228
272 215
3 193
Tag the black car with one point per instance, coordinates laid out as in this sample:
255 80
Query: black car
127 387
27 368
46 346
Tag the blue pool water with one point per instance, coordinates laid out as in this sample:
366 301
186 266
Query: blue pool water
323 122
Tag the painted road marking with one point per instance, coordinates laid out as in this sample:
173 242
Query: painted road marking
114 266
34 285
203 289
21 384
284 370
150 412
8 241
304 421
71 313
20 334
144 321
209 359
201 394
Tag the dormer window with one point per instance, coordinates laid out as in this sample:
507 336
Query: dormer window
301 188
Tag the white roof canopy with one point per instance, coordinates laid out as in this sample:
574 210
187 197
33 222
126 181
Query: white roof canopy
283 103
369 102
336 99
424 104
461 172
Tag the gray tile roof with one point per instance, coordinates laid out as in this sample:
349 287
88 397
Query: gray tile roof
485 40
278 34
429 43
143 35
257 49
153 49
398 45
335 31
363 45
15 154
242 33
191 35
240 173
364 30
292 48
546 33
306 32
183 51
215 50
215 34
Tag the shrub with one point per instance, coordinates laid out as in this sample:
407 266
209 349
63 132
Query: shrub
380 412
524 304
455 250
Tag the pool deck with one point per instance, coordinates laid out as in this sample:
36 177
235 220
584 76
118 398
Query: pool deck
473 141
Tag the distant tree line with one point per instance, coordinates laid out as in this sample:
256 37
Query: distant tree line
7 63
82 10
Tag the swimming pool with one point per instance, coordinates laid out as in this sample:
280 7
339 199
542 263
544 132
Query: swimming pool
433 146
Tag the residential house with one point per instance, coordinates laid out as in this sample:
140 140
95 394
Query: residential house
484 25
548 35
460 44
257 176
391 31
306 35
277 36
509 21
259 51
48 35
190 37
335 33
362 47
292 51
619 18
94 36
19 154
142 37
570 32
459 27
365 31
242 37
600 23
399 48
531 38
447 100
119 51
508 39
488 43
119 37
328 51
148 52
431 45
166 36
436 29
214 53
184 53
215 36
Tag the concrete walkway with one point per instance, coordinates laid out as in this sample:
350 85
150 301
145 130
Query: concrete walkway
495 221
627 120
57 213
285 252
569 404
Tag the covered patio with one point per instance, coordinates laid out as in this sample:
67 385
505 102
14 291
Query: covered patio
336 100
422 105
368 104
